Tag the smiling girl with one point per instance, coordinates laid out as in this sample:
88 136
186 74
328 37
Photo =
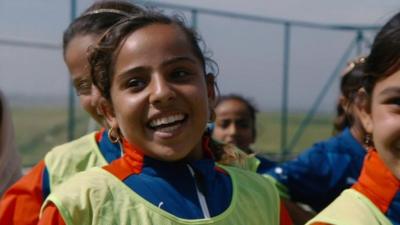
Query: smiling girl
157 99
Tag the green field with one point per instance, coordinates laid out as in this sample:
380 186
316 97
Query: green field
38 129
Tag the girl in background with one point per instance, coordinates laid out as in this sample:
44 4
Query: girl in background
318 175
21 203
235 123
10 161
374 199
157 100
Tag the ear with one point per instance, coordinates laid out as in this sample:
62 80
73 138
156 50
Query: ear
344 103
362 102
108 111
210 81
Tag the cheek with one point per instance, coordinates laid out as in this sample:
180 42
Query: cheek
386 128
218 133
129 113
86 103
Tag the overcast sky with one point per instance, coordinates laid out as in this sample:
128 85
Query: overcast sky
249 53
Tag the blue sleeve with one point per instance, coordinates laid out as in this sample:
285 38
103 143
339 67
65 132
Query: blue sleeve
46 183
315 177
265 164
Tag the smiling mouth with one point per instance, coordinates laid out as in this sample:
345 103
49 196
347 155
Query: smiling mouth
167 123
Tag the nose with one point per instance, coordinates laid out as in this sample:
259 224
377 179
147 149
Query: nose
95 93
162 91
232 129
95 98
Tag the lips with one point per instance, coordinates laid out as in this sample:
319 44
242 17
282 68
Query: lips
167 125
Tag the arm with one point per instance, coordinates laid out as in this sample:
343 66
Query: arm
21 203
311 178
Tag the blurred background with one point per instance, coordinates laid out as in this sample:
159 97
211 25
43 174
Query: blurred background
286 56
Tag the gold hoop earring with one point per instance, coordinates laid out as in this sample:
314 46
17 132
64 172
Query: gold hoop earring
368 140
112 138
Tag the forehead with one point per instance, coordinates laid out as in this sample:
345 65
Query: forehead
76 54
390 82
155 42
232 107
78 46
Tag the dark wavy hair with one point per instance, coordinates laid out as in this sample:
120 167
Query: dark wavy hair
384 58
102 58
98 18
351 82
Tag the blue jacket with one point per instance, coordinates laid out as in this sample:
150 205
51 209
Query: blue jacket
318 175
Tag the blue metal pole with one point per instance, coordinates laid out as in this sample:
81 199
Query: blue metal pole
360 39
324 90
194 19
71 98
285 90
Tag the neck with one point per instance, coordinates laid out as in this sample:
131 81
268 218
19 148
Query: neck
196 153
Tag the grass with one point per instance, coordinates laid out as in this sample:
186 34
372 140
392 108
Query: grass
269 132
38 129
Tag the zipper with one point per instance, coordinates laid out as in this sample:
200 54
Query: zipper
200 195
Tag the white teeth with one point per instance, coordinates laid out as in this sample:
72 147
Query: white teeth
166 120
168 129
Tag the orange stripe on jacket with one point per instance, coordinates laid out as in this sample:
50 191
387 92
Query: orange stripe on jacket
21 203
377 182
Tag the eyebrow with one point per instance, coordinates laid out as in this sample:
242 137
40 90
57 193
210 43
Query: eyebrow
178 59
390 91
81 79
163 64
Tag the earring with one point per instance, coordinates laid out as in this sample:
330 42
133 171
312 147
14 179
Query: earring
368 140
112 138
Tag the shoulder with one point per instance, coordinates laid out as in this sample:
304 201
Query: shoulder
246 177
86 142
350 207
84 148
87 183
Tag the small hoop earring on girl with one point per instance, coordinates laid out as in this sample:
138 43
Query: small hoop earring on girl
368 140
113 139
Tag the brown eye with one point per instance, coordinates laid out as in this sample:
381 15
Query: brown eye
394 101
136 84
224 124
83 87
180 75
243 123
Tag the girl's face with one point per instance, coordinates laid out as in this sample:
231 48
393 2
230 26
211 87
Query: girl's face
383 118
160 94
78 66
233 124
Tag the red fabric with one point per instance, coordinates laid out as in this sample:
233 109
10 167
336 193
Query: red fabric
284 215
206 147
219 169
99 134
51 216
377 182
21 203
130 163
